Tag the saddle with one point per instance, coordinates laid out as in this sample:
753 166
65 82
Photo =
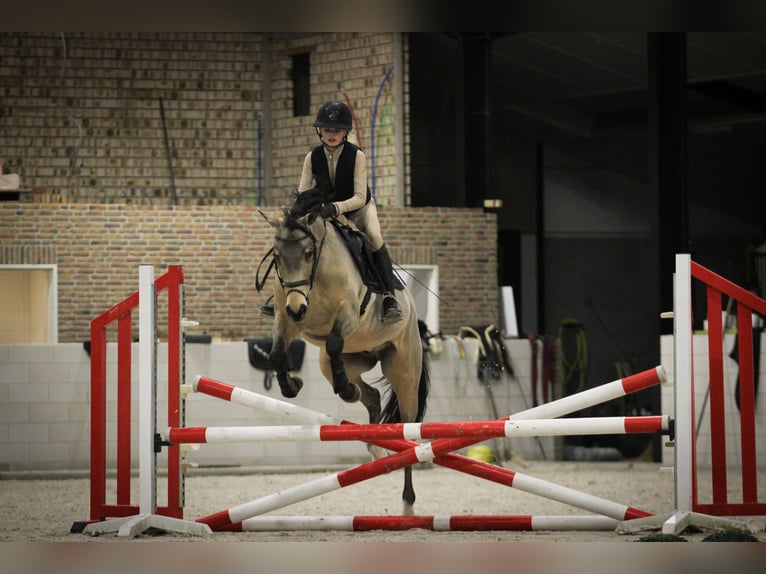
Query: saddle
356 241
361 252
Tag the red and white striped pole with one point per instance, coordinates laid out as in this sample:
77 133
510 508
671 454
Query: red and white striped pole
500 475
246 398
419 453
441 523
554 409
353 475
595 396
480 430
557 408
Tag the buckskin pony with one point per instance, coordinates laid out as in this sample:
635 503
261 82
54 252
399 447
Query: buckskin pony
321 297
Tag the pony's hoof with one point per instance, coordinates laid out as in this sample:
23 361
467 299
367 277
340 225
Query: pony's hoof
408 509
292 388
351 393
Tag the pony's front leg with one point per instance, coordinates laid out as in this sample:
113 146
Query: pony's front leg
288 384
342 387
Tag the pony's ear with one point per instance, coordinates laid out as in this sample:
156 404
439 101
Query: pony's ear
274 221
311 217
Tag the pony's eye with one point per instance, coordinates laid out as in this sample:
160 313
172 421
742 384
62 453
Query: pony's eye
308 254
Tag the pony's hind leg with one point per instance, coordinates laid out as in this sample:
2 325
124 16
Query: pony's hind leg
356 364
404 368
370 395
371 401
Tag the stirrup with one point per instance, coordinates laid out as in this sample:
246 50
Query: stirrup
391 311
267 310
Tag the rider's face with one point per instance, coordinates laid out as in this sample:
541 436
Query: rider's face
332 136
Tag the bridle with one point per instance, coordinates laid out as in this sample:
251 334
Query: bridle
292 286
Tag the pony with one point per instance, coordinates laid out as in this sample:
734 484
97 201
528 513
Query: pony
321 297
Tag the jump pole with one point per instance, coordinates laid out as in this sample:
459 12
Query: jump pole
227 519
481 430
554 409
419 453
557 408
439 523
500 475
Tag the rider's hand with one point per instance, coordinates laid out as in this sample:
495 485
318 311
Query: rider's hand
327 210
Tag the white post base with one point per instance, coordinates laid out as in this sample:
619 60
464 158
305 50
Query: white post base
132 526
676 522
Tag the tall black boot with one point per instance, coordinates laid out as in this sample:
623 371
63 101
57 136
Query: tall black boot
391 311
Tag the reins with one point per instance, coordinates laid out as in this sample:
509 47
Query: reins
261 283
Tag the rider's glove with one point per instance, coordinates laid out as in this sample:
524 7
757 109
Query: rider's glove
327 210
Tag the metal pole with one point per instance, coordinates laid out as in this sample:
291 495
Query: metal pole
147 389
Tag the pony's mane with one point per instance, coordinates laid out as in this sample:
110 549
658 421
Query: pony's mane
293 221
309 200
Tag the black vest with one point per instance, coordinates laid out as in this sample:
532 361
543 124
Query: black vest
344 172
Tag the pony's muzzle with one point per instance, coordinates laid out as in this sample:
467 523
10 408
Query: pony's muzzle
298 314
296 305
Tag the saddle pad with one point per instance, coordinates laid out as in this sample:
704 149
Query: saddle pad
258 352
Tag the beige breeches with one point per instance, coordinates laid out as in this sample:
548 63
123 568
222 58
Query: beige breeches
366 219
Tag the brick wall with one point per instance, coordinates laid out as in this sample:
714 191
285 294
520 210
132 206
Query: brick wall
343 65
98 249
81 113
80 116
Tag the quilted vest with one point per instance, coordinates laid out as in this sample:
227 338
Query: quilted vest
344 172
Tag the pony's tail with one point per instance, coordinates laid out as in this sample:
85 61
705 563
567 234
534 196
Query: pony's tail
391 414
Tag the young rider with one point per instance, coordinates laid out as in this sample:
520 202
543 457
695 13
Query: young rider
342 167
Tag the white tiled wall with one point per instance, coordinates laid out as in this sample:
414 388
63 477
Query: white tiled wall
45 405
702 405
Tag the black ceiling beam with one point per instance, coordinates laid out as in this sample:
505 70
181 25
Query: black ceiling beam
477 49
668 156
742 98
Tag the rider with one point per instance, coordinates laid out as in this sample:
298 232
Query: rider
344 166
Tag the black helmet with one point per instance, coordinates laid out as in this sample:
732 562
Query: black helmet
334 115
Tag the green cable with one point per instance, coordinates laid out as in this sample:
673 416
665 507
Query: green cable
578 365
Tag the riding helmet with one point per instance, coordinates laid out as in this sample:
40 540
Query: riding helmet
334 115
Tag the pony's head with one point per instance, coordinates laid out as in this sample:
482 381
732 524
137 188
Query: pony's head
298 243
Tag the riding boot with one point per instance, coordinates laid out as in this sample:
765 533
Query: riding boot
382 261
